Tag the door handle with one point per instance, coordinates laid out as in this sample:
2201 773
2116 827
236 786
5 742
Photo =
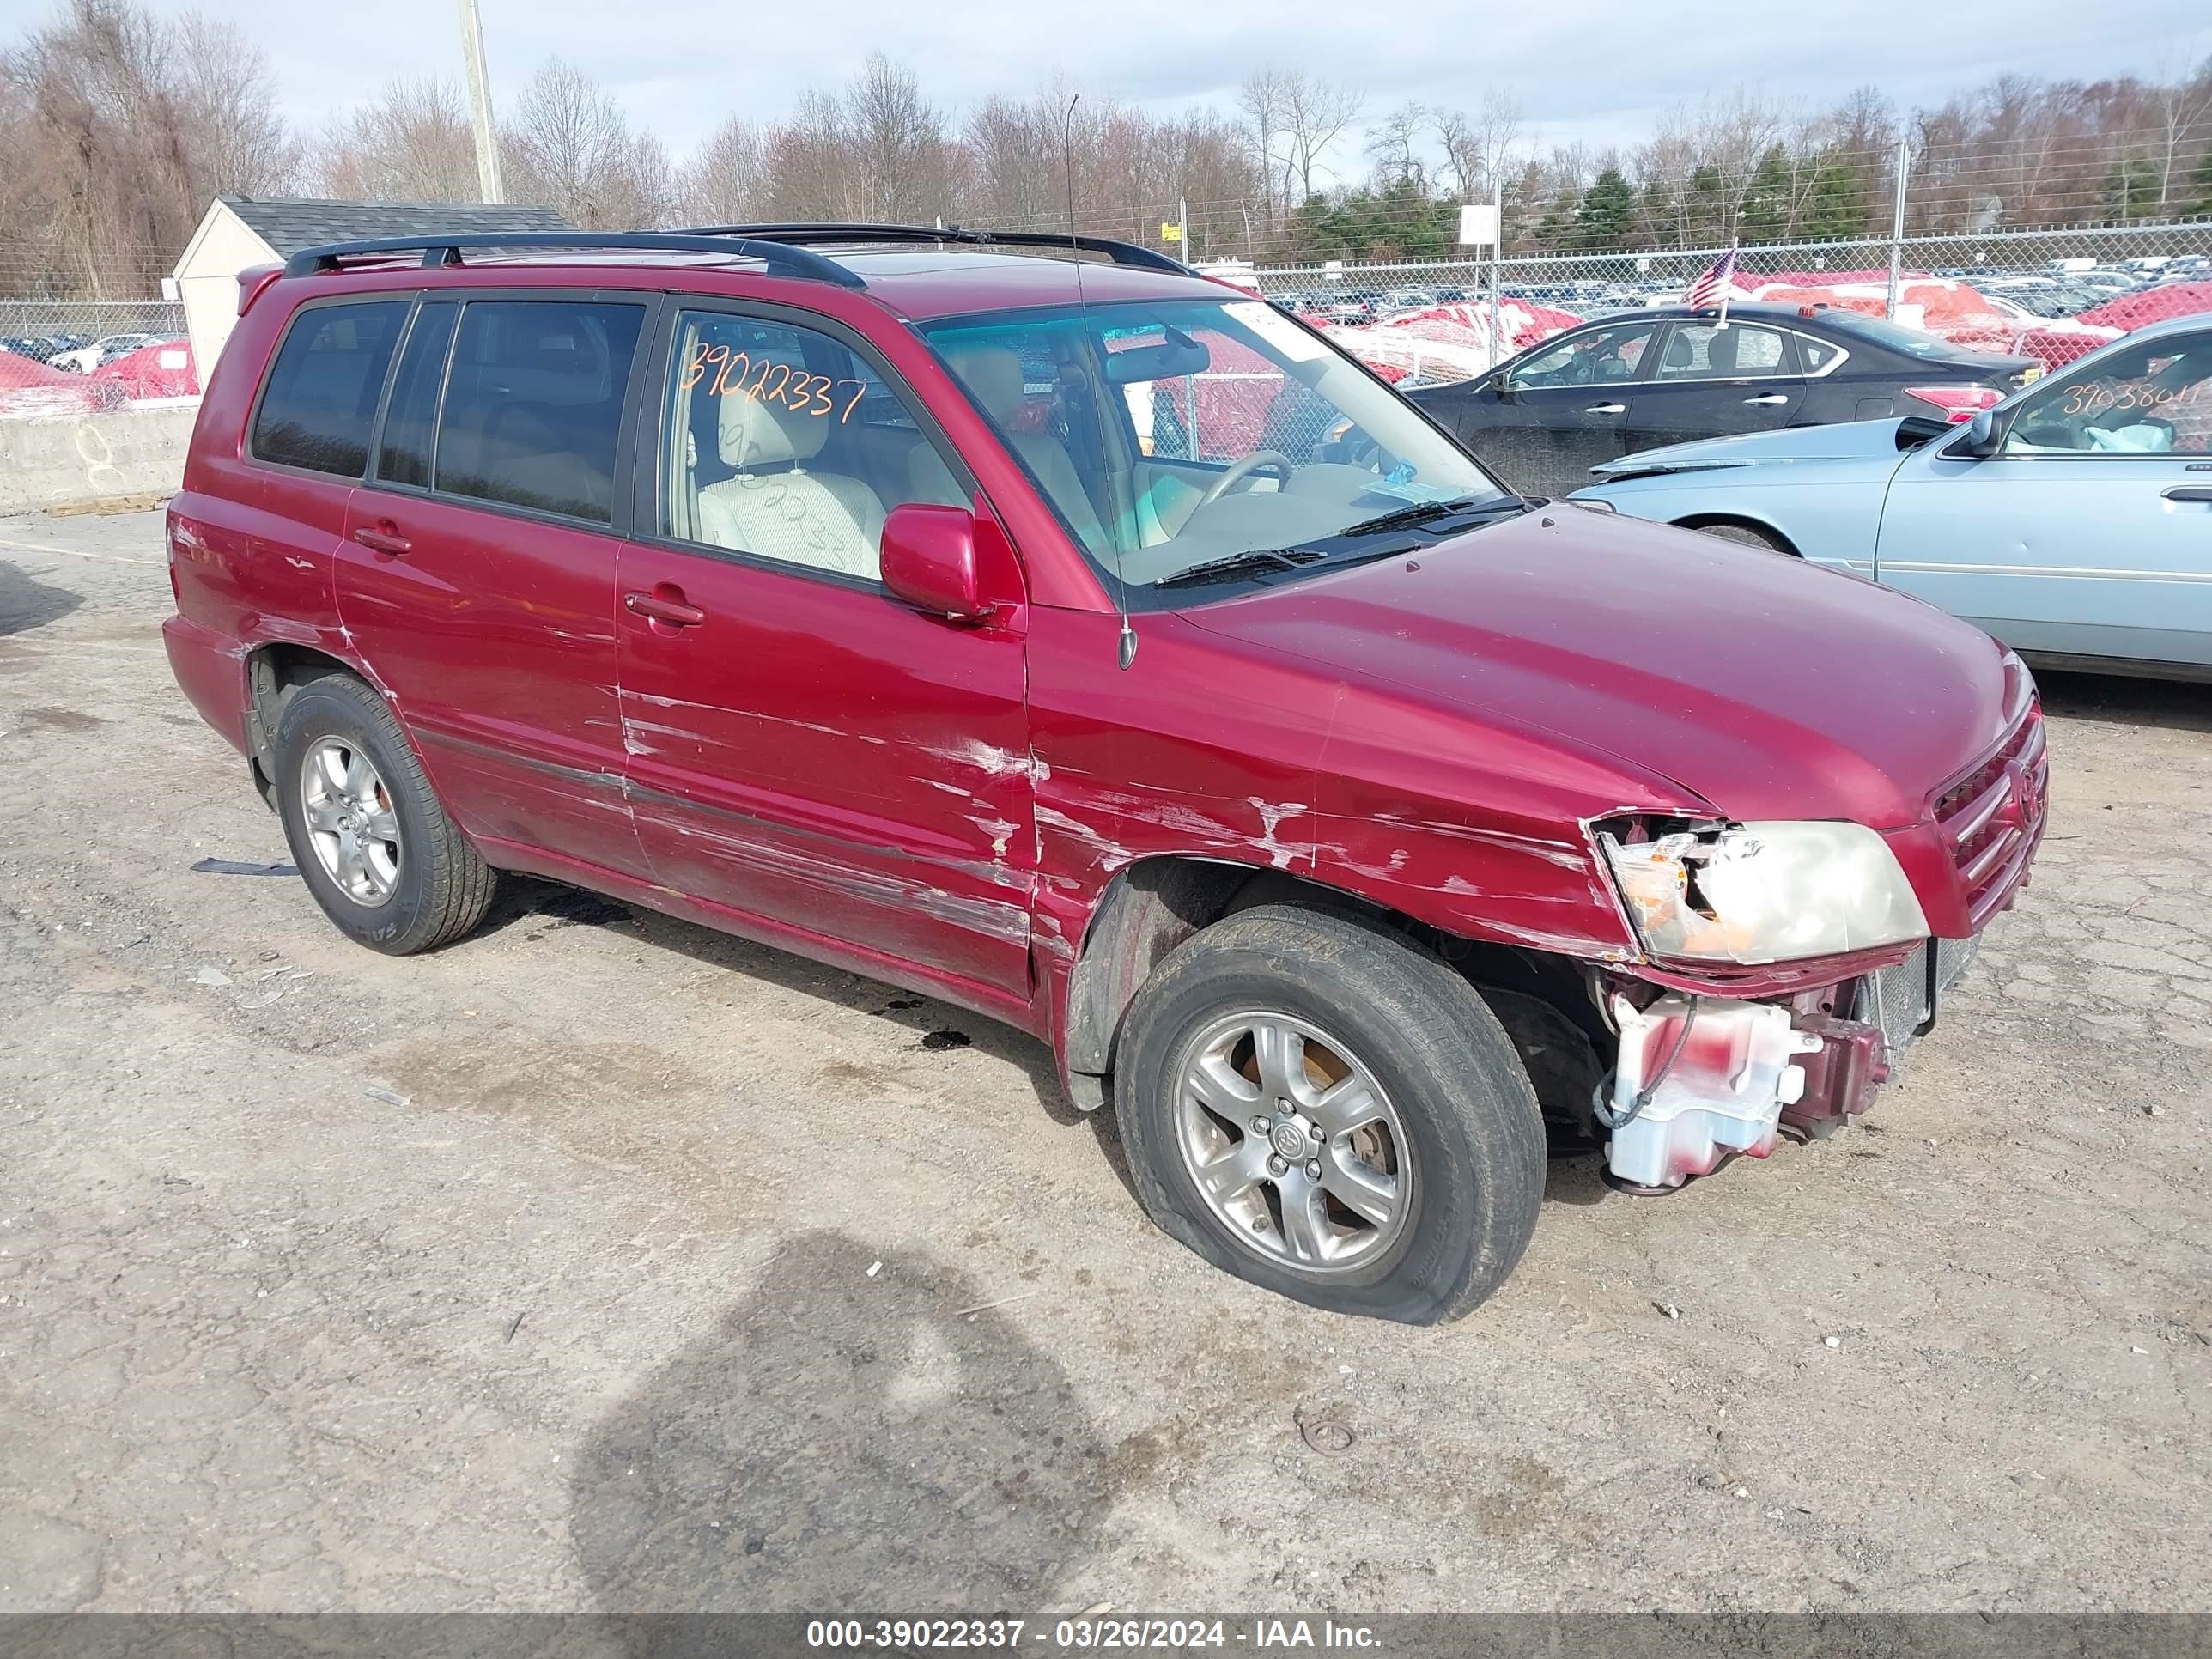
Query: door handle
1606 409
665 603
2188 493
382 537
1768 401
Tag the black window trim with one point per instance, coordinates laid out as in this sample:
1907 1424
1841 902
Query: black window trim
649 427
423 299
618 505
405 297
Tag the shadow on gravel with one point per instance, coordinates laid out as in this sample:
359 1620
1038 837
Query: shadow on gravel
26 604
839 1441
2171 705
528 909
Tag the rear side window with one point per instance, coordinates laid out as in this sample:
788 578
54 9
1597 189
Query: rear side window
533 405
403 454
321 397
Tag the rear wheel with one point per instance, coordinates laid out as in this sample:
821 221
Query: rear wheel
371 840
1319 1106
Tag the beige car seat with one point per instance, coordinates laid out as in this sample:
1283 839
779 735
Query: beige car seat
994 375
822 520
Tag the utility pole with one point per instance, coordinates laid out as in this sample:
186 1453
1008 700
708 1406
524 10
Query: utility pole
488 184
1182 233
1897 227
1497 351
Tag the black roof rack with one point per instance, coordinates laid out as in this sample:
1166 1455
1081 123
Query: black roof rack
781 258
802 236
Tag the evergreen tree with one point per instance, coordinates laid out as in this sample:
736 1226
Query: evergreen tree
1608 219
1764 214
1836 207
1706 210
2131 191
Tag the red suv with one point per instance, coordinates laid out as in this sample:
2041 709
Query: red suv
1084 642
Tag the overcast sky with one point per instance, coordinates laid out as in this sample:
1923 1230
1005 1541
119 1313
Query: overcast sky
1596 73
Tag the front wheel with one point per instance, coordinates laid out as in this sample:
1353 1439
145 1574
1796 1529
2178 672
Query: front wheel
371 840
1322 1107
1745 535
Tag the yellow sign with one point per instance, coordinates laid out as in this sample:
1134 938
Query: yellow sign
1170 232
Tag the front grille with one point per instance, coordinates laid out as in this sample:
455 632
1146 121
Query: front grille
1989 817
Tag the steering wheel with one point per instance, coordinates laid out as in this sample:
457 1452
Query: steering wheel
1272 460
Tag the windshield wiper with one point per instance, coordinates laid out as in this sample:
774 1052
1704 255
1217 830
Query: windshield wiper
1405 518
1242 564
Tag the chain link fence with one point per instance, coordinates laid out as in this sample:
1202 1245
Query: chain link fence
1996 290
81 322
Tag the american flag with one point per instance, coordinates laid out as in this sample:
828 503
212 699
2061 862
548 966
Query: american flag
1708 288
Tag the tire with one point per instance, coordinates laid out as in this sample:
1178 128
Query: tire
1464 1145
434 887
1747 535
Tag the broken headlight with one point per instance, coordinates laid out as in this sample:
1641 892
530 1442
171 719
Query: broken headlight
1764 892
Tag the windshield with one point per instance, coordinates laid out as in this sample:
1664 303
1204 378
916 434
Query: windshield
1881 331
1200 433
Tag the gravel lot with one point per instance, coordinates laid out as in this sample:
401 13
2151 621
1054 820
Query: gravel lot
542 1273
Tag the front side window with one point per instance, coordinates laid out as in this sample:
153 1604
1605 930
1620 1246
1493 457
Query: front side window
2155 399
786 444
1171 434
533 405
321 398
1598 357
1708 351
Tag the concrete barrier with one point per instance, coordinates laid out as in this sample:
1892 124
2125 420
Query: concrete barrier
68 460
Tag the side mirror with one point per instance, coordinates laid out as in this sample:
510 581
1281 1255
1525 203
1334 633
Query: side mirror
929 561
1984 435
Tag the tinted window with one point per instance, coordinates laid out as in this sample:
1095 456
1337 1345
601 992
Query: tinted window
403 455
786 443
1706 351
533 405
322 393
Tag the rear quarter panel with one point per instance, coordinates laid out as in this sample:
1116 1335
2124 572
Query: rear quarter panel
250 547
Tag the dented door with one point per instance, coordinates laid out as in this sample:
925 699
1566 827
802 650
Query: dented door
812 752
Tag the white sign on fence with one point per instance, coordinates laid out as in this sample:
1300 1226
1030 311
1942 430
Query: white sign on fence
1477 226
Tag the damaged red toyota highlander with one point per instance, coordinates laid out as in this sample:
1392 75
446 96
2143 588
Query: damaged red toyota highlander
1092 646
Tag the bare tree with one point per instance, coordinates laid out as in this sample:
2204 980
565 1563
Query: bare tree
226 106
898 144
1316 113
1264 102
411 143
570 146
1478 146
1393 144
118 125
2181 112
1012 163
727 182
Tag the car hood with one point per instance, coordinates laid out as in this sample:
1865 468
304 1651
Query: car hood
1846 440
1765 687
